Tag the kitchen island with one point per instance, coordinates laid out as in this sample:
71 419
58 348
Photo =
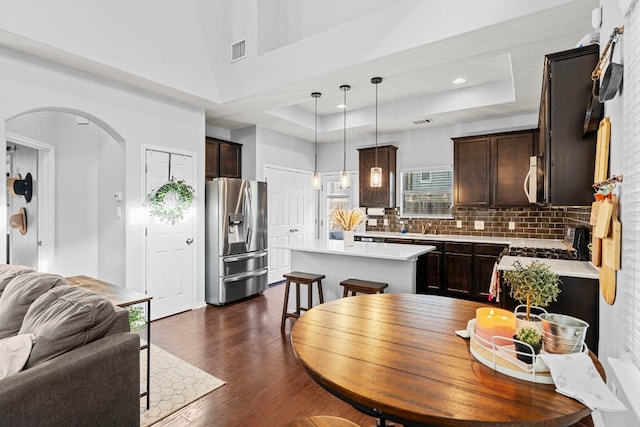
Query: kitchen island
396 265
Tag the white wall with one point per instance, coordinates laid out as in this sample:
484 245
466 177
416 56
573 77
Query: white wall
613 317
275 148
165 47
131 117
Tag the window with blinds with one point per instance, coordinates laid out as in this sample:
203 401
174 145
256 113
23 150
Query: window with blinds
630 197
426 192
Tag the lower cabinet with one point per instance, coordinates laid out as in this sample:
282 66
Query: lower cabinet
579 297
457 269
485 257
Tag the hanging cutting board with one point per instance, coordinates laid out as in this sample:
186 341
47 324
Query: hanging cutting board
608 284
611 244
596 251
602 151
601 229
595 207
611 256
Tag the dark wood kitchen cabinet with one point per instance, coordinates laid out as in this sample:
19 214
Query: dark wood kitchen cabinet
485 257
579 297
458 268
431 278
378 197
489 170
568 154
223 159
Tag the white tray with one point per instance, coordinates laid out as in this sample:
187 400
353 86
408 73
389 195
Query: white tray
503 358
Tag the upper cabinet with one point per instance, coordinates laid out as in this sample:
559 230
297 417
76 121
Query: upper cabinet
384 196
568 154
223 159
490 170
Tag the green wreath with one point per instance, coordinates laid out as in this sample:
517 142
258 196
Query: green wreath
171 201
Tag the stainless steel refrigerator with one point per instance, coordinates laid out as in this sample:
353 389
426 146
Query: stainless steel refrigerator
236 239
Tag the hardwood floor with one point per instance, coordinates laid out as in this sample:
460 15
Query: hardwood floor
242 344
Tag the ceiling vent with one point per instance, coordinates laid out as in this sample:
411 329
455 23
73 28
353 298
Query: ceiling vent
238 50
422 122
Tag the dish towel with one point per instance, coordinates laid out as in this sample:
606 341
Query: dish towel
575 375
494 286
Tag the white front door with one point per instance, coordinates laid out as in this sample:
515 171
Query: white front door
292 215
170 262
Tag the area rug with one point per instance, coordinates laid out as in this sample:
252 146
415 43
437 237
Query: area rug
174 384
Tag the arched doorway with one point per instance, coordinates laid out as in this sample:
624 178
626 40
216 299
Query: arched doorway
76 212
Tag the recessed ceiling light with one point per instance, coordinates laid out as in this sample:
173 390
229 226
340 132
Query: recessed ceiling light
459 81
341 106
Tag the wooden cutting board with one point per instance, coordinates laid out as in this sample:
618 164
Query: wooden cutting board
608 284
602 151
601 229
596 251
611 244
611 256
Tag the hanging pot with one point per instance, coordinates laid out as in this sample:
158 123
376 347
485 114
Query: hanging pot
612 77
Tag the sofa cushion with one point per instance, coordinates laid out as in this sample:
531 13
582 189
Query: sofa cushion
64 318
9 271
14 352
18 295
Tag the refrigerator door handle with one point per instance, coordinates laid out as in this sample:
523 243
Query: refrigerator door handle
244 257
248 275
248 206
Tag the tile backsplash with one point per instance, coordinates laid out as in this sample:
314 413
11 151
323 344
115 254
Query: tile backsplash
528 222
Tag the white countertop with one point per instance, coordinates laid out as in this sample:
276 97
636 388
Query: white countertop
360 249
511 241
583 269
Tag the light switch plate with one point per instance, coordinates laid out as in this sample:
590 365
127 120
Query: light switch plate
458 224
372 222
512 225
385 221
478 225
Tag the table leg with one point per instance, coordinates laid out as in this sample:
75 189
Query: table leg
148 352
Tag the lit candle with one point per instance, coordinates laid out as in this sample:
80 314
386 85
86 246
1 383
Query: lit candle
492 322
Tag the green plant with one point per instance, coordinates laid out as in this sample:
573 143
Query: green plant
137 318
534 284
170 201
529 335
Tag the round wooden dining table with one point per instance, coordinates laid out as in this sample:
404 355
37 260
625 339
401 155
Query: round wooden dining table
396 357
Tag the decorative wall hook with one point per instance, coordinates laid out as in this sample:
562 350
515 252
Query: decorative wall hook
608 182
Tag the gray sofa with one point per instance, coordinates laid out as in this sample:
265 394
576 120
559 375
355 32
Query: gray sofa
84 365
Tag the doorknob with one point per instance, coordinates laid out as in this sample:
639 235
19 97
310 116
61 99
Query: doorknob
293 230
189 241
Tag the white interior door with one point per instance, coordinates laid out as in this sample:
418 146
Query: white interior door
170 261
292 215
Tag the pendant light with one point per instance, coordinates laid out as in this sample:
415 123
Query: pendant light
376 171
315 178
345 178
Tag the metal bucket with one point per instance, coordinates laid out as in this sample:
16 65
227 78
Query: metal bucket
562 333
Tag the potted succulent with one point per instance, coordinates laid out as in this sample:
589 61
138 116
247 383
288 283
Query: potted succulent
530 336
532 285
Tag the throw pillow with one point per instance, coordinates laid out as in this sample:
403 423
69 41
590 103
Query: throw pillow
9 271
14 352
20 292
64 318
